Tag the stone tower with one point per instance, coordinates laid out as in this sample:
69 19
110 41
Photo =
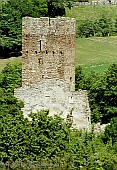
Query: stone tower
48 50
48 70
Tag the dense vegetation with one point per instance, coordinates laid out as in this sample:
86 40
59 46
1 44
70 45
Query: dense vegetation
101 27
11 20
102 91
48 142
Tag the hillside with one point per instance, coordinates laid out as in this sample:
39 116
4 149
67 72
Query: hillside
82 12
96 53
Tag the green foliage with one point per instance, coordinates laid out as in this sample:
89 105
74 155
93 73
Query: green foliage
106 94
79 76
111 132
102 93
56 8
103 27
47 142
11 77
11 22
10 27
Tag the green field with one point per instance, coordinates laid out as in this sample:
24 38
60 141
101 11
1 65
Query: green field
84 12
96 53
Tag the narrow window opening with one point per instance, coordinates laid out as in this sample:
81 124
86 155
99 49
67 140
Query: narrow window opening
42 76
61 52
70 79
27 51
49 21
52 52
39 60
88 119
35 52
40 45
26 35
46 52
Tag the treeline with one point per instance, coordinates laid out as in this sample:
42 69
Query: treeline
47 142
102 27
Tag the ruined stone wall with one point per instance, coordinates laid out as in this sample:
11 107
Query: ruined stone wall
48 50
48 70
54 94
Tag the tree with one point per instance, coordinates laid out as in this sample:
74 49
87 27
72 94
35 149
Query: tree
11 77
106 26
102 93
110 132
11 22
102 27
55 8
103 96
79 76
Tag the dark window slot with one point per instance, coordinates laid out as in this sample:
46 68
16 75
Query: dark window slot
39 60
40 45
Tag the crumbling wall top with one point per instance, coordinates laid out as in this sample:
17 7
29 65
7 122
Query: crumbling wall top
46 25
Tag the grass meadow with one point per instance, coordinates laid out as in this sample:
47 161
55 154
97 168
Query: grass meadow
96 53
92 12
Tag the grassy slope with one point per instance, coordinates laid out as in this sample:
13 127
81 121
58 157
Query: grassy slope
92 12
12 60
96 53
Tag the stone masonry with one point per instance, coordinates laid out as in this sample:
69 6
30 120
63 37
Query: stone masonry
48 49
48 70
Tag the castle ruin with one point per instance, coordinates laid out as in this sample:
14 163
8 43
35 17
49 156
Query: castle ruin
48 70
